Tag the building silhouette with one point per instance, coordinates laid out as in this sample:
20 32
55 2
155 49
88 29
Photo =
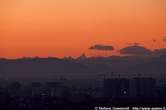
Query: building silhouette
134 87
142 87
116 87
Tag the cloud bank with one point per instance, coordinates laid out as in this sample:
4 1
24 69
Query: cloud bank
135 50
102 47
160 52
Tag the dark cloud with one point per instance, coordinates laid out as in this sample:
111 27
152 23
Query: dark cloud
102 47
154 40
160 52
164 39
135 50
135 43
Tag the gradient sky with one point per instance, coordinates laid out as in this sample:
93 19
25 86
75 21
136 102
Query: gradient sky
69 27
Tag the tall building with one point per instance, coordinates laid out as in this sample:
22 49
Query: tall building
116 87
36 88
14 88
52 87
142 87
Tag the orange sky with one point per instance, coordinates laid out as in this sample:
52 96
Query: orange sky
69 27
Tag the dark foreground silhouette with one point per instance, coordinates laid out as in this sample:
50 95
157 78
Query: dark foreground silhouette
81 84
52 95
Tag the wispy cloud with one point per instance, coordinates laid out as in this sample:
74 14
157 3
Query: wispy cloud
102 47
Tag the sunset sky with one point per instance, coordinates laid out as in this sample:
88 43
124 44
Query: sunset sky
69 27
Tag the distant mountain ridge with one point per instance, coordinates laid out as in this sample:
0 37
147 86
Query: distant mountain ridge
84 67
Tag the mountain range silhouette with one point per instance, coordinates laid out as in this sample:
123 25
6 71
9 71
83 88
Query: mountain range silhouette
27 68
